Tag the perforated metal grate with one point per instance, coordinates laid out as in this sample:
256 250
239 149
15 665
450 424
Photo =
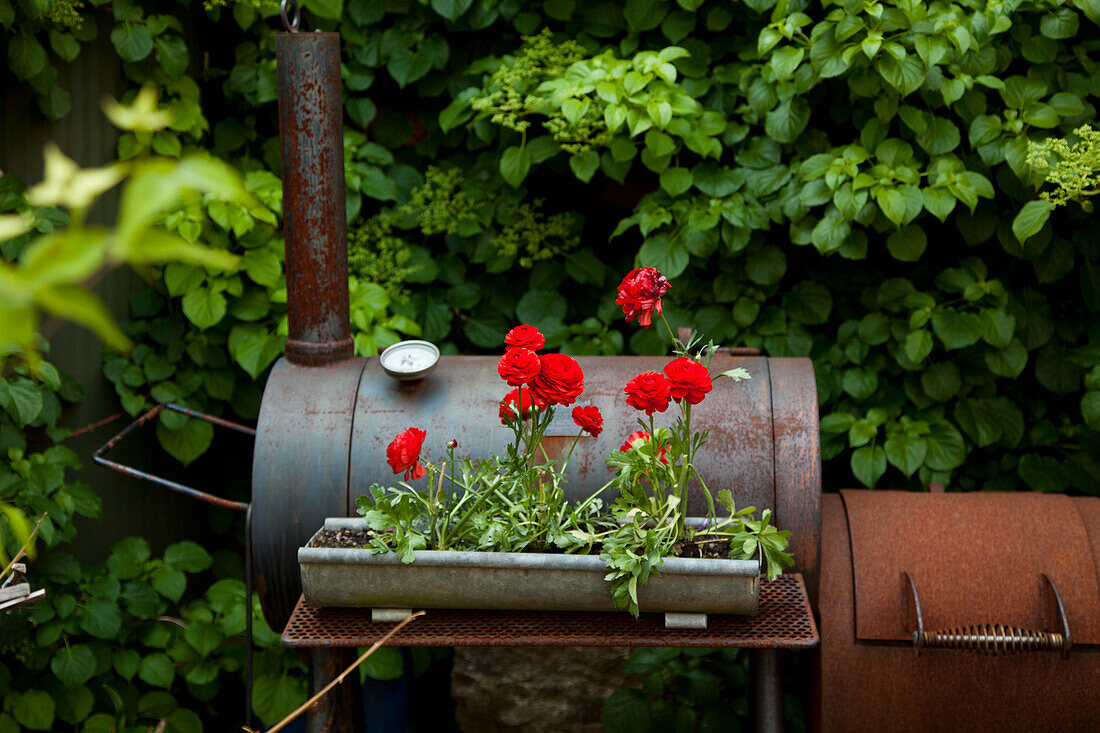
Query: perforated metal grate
784 622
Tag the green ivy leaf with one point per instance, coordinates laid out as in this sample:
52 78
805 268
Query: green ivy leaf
64 45
585 165
172 55
125 662
644 15
787 121
918 345
539 306
766 266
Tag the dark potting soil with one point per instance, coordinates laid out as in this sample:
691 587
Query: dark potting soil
356 538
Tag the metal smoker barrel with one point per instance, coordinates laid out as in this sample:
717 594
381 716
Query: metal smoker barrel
976 612
322 436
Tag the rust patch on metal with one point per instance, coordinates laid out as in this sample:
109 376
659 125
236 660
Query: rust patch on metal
977 559
798 463
311 129
784 621
883 685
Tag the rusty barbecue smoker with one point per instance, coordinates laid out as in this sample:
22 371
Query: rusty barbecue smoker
327 416
976 612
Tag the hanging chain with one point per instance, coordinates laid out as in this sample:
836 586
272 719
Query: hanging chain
290 22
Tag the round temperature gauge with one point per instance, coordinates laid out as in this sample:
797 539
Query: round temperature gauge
409 360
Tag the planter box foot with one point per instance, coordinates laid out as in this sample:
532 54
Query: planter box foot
685 621
389 615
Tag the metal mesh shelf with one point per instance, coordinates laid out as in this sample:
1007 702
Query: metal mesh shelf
785 621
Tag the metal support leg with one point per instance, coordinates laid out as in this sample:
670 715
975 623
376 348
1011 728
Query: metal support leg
767 691
341 710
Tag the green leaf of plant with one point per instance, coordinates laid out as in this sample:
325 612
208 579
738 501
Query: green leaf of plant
1009 361
585 165
253 348
204 307
331 9
676 181
73 665
187 443
907 244
664 253
157 670
1044 473
132 41
34 709
946 449
957 329
1031 219
274 696
515 163
100 618
766 266
451 9
906 452
644 15
187 556
918 345
868 464
385 664
26 57
941 382
787 121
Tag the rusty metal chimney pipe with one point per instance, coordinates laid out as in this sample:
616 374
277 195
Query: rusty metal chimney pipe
311 129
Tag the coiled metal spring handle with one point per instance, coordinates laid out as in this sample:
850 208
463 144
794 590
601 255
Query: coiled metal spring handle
992 638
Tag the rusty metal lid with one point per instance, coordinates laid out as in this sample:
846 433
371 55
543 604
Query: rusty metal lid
976 558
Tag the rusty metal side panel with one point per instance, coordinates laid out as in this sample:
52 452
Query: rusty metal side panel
976 559
311 121
798 463
1089 509
884 686
460 400
299 472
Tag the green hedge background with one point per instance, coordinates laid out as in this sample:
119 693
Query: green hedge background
839 180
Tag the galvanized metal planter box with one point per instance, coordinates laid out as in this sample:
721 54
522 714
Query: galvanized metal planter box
515 581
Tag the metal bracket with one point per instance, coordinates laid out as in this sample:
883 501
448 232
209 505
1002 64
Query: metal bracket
99 458
103 450
685 621
994 638
389 615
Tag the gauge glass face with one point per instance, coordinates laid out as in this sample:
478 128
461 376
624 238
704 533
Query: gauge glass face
409 357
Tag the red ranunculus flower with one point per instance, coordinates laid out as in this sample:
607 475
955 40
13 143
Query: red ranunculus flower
640 437
525 337
688 379
510 407
518 366
648 391
589 419
640 294
560 382
403 454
